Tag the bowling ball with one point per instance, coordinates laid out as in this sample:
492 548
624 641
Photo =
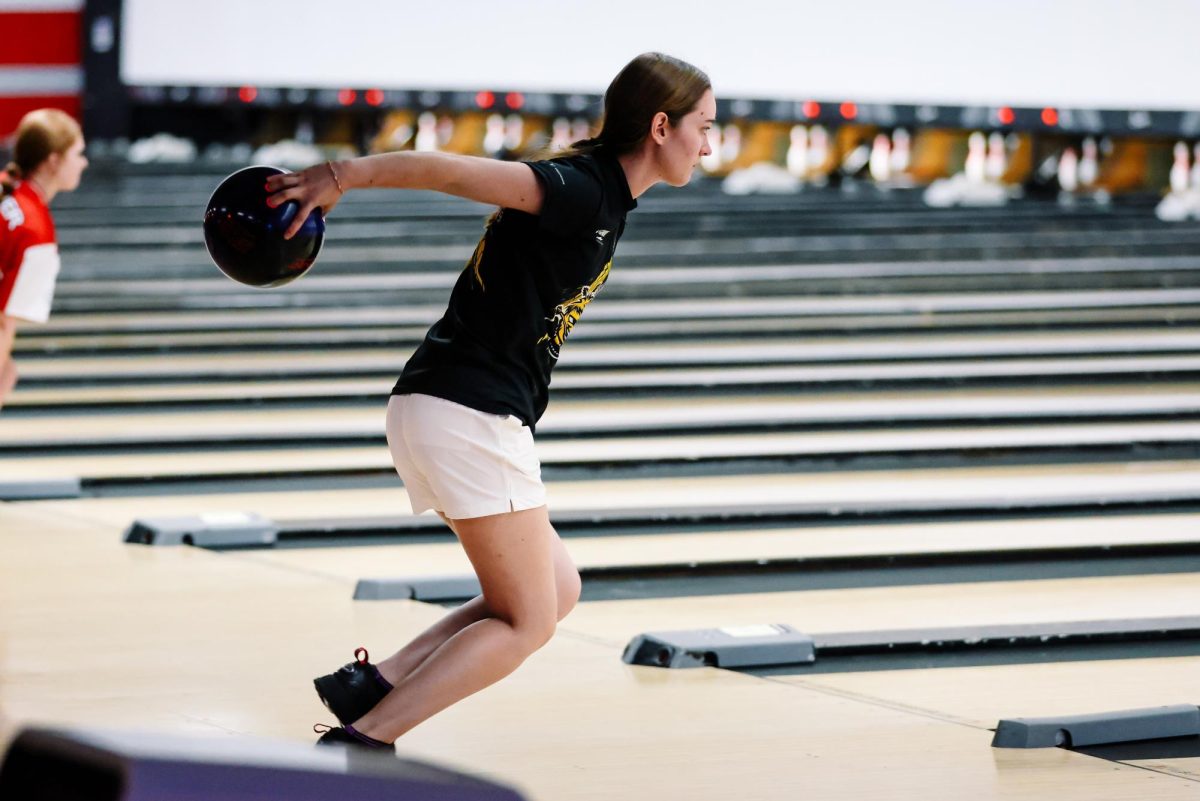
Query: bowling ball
244 235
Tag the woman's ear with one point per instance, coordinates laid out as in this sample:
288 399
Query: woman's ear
658 127
52 163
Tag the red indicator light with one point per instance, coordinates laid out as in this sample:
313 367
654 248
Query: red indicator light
247 94
485 99
1006 116
811 109
849 110
1049 116
347 96
374 97
514 100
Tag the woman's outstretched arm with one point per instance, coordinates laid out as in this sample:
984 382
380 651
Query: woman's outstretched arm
506 184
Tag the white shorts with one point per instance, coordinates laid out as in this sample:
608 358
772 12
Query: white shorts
462 462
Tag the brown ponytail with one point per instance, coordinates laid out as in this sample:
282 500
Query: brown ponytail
9 178
648 84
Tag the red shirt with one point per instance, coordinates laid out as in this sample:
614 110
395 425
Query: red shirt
29 260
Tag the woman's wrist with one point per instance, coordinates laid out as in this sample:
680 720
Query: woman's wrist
336 175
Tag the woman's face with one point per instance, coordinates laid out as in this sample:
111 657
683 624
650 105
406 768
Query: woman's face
68 171
684 144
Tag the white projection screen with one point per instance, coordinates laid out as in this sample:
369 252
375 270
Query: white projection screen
1116 54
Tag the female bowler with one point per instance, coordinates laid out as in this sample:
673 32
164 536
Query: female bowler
47 159
461 417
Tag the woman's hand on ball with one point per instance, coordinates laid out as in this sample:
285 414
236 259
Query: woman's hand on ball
314 187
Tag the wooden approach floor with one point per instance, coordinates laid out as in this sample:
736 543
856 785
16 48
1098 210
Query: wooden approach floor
98 633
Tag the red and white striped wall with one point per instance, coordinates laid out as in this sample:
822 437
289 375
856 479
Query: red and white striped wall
40 58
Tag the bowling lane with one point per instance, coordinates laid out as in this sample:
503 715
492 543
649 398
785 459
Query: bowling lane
301 358
578 416
677 306
426 559
984 695
85 326
828 493
208 613
663 454
900 607
355 388
374 391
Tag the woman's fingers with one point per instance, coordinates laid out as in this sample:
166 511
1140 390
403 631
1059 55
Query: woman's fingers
305 210
279 192
306 188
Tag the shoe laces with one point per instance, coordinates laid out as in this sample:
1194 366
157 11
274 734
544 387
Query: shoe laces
359 661
321 728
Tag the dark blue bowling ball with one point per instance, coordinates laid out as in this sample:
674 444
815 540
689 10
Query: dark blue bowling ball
244 235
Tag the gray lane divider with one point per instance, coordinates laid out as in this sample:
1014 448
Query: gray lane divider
1123 726
223 529
733 647
430 589
627 582
40 489
777 645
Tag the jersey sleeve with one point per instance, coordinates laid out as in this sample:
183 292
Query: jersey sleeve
27 277
573 195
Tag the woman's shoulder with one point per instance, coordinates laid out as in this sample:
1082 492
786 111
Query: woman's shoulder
24 211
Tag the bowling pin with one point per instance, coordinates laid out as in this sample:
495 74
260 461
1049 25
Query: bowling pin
514 132
427 132
1089 164
493 137
1180 175
797 154
731 143
975 167
1068 170
445 130
996 161
901 152
818 149
560 134
879 163
580 129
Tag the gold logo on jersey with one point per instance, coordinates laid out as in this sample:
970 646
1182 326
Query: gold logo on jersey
567 313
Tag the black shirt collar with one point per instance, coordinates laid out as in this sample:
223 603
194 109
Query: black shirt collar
627 200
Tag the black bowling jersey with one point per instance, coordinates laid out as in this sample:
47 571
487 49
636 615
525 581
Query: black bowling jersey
504 329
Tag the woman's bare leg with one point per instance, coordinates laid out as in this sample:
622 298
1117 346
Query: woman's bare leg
8 368
513 554
410 657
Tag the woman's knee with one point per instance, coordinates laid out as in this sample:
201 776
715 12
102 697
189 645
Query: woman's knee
533 628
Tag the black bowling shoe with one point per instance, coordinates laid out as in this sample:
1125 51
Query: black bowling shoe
354 689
